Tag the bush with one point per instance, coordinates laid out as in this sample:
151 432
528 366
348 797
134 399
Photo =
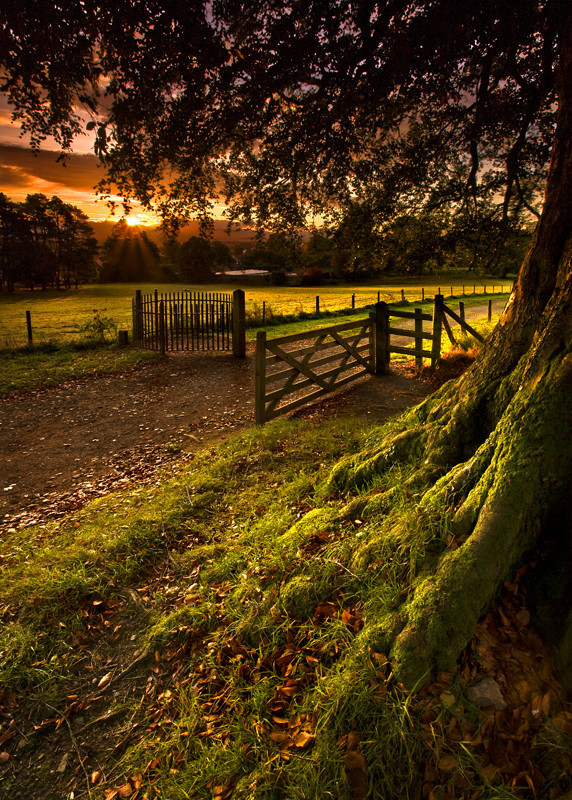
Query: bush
99 329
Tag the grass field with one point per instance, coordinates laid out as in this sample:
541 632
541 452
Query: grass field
60 317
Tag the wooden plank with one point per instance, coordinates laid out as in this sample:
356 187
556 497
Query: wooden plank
409 351
352 352
272 377
409 315
292 377
301 351
309 398
448 330
298 365
463 323
329 345
346 326
410 334
295 387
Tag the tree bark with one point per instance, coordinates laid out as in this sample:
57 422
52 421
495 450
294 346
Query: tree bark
495 449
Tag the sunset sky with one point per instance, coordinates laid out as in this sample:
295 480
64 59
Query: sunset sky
22 172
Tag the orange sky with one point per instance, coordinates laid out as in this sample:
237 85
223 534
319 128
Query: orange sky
22 172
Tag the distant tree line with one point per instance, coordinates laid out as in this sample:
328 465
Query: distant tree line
45 243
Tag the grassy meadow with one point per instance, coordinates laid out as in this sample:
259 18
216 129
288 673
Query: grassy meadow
64 316
74 333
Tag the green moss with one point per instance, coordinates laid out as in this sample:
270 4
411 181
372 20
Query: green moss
300 596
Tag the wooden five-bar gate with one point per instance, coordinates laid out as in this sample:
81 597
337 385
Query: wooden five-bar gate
293 370
190 321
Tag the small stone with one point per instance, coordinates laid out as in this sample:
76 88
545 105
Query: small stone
487 693
4 756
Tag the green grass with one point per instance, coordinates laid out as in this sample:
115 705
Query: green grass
49 365
258 596
60 316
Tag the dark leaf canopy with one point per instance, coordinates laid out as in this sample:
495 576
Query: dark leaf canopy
293 109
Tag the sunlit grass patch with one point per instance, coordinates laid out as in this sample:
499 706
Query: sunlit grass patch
25 369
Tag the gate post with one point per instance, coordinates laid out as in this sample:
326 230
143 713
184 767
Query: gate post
162 327
437 326
238 324
418 339
380 332
138 317
260 379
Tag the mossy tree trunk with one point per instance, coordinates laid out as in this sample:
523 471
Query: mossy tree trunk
496 446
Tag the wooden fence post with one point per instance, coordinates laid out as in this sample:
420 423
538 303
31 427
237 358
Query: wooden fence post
138 316
423 295
490 311
162 327
437 326
155 333
317 304
403 295
29 327
462 310
260 379
238 324
380 319
264 312
418 339
353 301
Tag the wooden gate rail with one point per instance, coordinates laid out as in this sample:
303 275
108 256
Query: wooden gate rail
460 320
417 333
349 347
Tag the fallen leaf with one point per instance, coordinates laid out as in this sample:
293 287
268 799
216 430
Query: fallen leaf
105 680
304 739
279 737
448 763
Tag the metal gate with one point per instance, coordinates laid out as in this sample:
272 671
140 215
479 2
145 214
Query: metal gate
183 320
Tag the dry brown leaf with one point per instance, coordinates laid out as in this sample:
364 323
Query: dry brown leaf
125 790
4 756
448 763
137 780
105 680
280 737
95 777
304 739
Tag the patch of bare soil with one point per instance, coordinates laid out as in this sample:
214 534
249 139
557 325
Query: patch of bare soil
63 446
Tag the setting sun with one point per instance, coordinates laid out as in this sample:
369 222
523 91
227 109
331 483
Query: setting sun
132 220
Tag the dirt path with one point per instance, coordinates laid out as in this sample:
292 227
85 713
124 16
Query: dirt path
61 447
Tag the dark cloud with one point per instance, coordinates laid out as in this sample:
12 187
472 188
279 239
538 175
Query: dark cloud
80 172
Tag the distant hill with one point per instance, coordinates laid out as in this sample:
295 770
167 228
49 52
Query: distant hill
102 230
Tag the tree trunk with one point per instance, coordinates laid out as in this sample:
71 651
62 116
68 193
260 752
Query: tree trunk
496 453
